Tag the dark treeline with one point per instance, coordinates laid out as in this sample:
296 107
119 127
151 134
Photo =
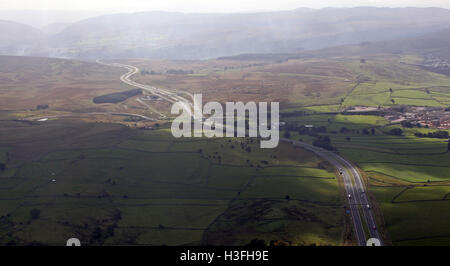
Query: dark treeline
117 97
437 135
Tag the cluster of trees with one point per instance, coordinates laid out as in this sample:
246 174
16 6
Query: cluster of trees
170 71
323 142
42 107
437 134
35 214
396 132
364 131
179 72
287 134
344 130
408 124
105 230
151 72
314 131
302 130
117 97
244 145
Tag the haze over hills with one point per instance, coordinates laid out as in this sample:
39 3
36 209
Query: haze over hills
42 18
168 35
19 39
436 44
359 111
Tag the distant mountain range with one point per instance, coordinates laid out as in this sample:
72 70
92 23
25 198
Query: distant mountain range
166 35
42 18
433 49
436 44
20 39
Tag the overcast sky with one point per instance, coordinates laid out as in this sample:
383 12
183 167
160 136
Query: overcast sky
205 5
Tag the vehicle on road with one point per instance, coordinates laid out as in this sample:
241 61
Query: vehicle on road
349 196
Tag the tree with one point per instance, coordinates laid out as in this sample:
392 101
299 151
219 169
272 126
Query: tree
448 146
42 107
287 134
35 214
323 142
97 234
110 230
407 124
321 129
440 134
396 132
344 130
2 166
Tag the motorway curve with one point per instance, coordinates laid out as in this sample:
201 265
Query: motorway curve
353 183
167 95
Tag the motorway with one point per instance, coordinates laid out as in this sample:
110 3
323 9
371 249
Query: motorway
167 95
354 186
353 183
34 118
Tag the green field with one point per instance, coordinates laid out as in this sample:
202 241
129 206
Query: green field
385 80
408 176
109 184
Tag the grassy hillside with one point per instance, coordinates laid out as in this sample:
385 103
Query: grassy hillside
108 184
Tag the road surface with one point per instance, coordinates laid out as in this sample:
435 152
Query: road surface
167 95
95 113
352 179
353 186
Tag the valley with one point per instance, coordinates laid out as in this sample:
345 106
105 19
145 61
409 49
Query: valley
86 148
